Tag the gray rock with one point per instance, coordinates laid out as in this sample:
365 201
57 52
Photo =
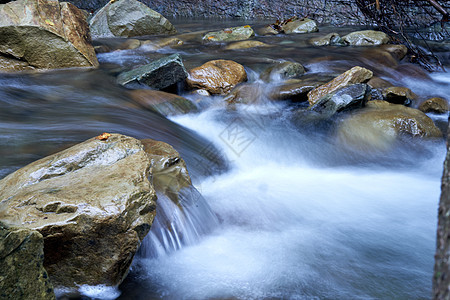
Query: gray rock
329 39
230 34
353 96
159 74
300 26
283 70
366 38
22 272
128 18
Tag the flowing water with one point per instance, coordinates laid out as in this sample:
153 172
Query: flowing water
280 210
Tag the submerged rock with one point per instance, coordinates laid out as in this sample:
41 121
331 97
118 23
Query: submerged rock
332 39
397 51
247 93
300 26
128 18
283 70
246 45
379 124
22 271
162 43
230 34
217 76
93 203
434 105
158 74
366 38
352 76
44 34
164 103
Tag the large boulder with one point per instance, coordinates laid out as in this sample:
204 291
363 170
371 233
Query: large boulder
230 34
366 38
158 74
164 103
352 76
217 76
93 203
22 272
127 18
380 123
44 34
300 26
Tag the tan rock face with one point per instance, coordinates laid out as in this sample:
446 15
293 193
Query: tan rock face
246 45
352 76
230 34
169 170
45 34
377 126
162 102
93 203
300 26
436 105
217 76
397 51
366 38
399 95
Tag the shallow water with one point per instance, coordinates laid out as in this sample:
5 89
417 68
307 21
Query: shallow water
291 215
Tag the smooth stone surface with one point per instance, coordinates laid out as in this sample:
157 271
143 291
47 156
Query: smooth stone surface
333 39
352 76
128 18
283 70
246 45
158 74
399 95
434 105
380 123
44 34
397 51
366 38
22 272
164 103
300 26
217 76
93 203
247 93
230 34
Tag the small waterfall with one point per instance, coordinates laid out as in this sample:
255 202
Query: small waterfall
176 226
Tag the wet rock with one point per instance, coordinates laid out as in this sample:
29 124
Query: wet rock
366 38
162 43
378 83
130 44
326 40
300 26
434 105
93 203
11 65
267 30
45 35
169 170
399 95
378 59
22 274
158 74
397 51
230 34
297 89
349 97
380 123
217 76
352 76
246 94
164 103
128 18
283 70
246 45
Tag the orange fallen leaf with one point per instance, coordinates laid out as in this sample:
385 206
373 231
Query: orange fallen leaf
104 136
247 26
210 37
228 31
49 22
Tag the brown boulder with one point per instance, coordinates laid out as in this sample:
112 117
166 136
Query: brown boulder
45 34
93 203
217 76
162 102
435 105
379 124
246 45
399 95
352 76
397 51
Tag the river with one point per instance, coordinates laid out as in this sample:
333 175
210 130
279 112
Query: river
280 211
